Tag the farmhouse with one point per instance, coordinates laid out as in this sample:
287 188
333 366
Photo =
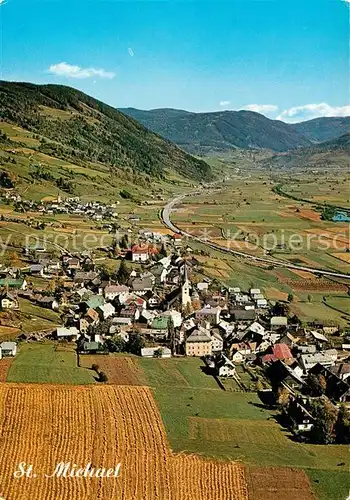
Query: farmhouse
217 342
177 238
277 322
106 310
336 388
153 352
224 367
140 253
70 333
8 349
9 301
113 291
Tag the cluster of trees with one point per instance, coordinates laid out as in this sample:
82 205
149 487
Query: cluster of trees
331 425
328 213
117 344
39 172
65 185
133 346
5 180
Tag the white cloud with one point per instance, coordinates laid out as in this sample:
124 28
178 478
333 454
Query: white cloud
71 71
309 111
261 108
224 103
2 2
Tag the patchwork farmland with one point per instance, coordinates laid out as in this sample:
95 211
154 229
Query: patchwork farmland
247 215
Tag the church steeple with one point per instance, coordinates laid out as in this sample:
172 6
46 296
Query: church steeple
185 289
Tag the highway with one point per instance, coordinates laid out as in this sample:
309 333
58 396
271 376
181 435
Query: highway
165 217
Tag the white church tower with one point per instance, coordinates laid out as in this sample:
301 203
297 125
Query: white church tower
185 289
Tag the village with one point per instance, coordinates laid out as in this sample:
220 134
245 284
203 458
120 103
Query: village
157 305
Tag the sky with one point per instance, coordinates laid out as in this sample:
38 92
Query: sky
286 59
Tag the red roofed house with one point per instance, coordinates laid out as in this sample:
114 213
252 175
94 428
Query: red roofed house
140 253
279 352
282 352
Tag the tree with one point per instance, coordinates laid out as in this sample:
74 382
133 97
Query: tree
163 251
124 242
325 415
102 377
282 396
187 310
135 344
171 334
342 427
158 353
123 273
280 309
115 344
290 297
105 273
101 328
317 384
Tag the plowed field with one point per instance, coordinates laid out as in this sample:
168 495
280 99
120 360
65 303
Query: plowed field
47 424
5 364
120 370
278 484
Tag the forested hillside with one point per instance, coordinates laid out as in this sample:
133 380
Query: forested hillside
75 127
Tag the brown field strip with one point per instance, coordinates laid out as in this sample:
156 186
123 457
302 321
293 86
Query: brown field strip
5 364
120 370
316 285
342 256
303 274
278 484
47 424
235 431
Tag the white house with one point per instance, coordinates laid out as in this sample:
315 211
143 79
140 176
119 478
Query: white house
9 301
217 344
261 303
106 310
278 322
202 286
256 328
151 352
8 349
66 333
113 291
237 357
140 253
176 317
225 367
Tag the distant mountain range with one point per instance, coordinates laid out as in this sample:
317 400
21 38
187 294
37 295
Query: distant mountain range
77 128
202 133
323 129
325 155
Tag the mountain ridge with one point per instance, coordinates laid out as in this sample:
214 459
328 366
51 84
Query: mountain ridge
80 128
201 133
